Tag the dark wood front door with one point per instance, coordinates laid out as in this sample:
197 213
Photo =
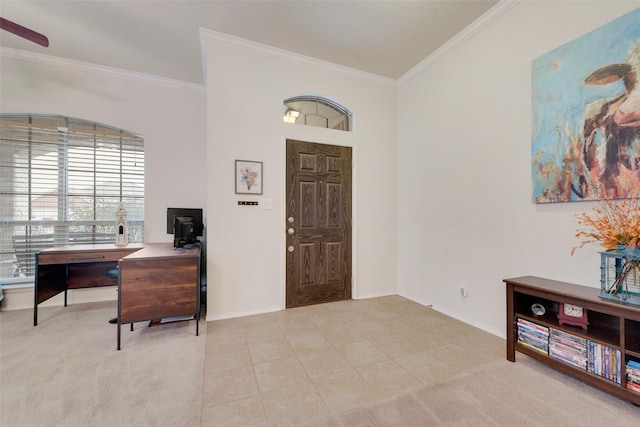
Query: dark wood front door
318 223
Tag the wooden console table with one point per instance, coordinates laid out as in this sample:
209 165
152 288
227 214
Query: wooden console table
612 333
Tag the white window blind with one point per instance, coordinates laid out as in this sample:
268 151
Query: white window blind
61 180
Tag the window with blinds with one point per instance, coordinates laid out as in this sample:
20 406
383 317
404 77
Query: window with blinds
61 180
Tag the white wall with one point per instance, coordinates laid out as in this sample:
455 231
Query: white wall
444 159
246 86
170 115
465 213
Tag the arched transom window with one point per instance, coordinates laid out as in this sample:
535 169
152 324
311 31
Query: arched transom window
316 111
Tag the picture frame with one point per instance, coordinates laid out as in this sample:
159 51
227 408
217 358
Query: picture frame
248 177
578 150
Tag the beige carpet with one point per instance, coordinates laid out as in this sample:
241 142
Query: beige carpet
507 394
66 371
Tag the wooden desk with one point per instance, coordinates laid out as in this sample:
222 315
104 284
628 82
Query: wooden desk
157 282
74 267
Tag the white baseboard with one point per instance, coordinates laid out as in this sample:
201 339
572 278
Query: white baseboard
223 316
374 295
19 298
498 333
468 321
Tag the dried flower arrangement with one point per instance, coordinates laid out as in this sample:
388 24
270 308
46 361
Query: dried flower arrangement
610 224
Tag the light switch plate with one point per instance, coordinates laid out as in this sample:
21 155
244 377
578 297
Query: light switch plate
265 203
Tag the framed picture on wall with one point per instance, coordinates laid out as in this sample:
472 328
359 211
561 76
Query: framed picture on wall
248 177
585 131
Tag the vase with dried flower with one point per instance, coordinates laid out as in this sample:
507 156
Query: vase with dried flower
616 227
612 224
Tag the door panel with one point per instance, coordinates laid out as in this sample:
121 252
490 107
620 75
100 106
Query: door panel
319 237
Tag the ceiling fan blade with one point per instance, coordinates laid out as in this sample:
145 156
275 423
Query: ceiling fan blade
24 32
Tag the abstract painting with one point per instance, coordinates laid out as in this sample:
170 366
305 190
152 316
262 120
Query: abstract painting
586 116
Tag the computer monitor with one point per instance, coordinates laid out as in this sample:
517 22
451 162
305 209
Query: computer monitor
185 224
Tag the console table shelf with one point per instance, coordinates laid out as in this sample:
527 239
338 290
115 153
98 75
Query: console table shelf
613 332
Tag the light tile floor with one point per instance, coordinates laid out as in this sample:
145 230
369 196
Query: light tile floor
301 365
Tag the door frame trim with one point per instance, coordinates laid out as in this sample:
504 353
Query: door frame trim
354 211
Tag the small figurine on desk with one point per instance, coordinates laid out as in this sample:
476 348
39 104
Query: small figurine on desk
121 226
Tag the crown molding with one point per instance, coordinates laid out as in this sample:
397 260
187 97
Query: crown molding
494 13
286 55
476 26
40 58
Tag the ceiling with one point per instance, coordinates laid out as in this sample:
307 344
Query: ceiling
162 38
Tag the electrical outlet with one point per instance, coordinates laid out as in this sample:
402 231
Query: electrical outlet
464 289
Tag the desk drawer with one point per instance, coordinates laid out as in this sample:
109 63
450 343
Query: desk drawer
76 257
90 274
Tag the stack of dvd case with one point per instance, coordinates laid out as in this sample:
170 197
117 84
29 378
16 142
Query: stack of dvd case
533 336
604 361
568 348
633 375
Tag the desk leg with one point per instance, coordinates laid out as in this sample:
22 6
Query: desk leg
35 302
35 292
